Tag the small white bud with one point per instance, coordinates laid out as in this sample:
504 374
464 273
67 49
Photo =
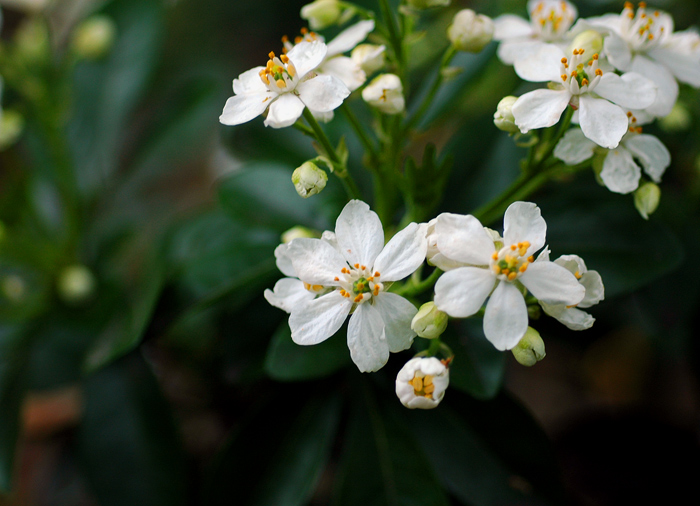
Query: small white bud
429 321
94 37
321 13
298 232
530 349
503 117
646 199
309 179
470 31
75 284
427 4
369 57
590 41
385 92
422 382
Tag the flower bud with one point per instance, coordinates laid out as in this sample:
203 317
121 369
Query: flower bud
590 41
75 284
426 4
429 321
309 179
385 92
422 382
11 127
646 199
321 13
530 349
94 37
503 117
298 232
369 57
470 31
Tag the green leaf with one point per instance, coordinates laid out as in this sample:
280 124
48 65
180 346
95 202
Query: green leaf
288 361
127 442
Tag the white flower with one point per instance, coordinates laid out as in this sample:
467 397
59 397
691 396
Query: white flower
359 268
321 13
500 274
644 42
286 85
573 317
621 173
369 57
385 92
575 79
470 31
422 382
549 23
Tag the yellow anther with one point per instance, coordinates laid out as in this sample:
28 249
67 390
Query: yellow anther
584 82
298 39
358 298
512 276
598 72
496 270
417 383
363 267
595 56
513 247
336 278
317 288
577 274
650 36
656 14
285 39
281 83
304 31
357 266
642 5
574 73
284 58
271 55
630 15
429 389
495 255
307 286
564 77
629 114
564 61
628 5
531 259
376 290
376 274
634 120
523 267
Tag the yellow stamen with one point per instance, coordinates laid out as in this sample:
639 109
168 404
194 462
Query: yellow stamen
598 72
512 276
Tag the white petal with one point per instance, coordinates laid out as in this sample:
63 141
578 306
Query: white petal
463 238
509 26
249 82
667 87
396 313
368 345
346 70
540 108
403 254
523 221
573 318
651 153
552 284
617 51
620 174
461 292
505 319
315 261
602 122
631 90
288 294
319 319
574 147
595 291
349 38
680 53
513 50
306 56
541 66
284 263
322 93
242 108
284 111
359 233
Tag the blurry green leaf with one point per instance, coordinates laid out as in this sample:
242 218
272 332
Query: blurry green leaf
127 442
382 462
278 455
288 361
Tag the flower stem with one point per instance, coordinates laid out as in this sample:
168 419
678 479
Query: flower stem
412 289
361 134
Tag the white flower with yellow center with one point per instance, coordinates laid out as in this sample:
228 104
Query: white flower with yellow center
359 269
286 85
643 41
422 382
575 80
500 275
549 23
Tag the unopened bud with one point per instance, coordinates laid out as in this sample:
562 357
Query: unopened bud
385 92
298 232
11 127
75 284
429 321
470 31
369 57
646 199
422 382
503 117
590 41
321 13
530 349
94 37
427 4
309 179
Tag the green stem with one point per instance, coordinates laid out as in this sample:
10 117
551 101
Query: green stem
412 289
394 37
361 134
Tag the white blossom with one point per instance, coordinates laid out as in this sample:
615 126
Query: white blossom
385 92
422 382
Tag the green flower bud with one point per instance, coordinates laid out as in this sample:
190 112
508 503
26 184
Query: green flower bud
470 31
75 284
646 199
429 321
503 117
94 37
590 41
297 232
321 13
11 127
530 349
426 4
309 179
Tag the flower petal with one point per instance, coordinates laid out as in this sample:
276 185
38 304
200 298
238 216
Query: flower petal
284 111
346 70
631 90
318 319
573 318
368 345
680 52
249 82
511 51
505 319
463 238
540 65
322 93
315 261
461 292
242 108
602 122
667 87
595 291
540 108
574 147
523 221
552 284
284 263
620 174
288 294
509 26
396 313
403 254
651 153
617 51
359 233
349 38
306 56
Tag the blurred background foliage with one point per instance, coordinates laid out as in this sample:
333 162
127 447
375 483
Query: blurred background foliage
140 364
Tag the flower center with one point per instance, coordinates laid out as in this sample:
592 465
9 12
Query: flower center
580 75
642 30
279 75
359 283
550 20
422 385
510 261
633 128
